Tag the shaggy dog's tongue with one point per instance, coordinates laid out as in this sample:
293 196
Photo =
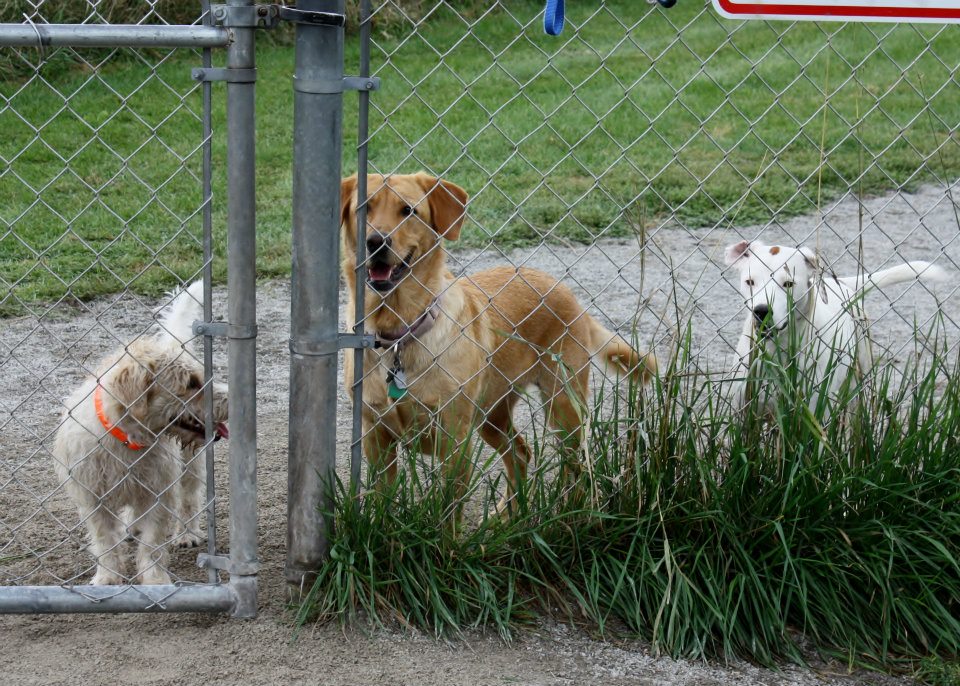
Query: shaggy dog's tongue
379 271
222 431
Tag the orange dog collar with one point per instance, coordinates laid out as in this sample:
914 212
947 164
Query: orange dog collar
115 431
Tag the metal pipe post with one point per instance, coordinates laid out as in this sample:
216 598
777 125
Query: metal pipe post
317 122
208 453
242 316
363 116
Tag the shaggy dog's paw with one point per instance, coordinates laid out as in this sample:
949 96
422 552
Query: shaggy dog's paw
189 538
104 577
155 575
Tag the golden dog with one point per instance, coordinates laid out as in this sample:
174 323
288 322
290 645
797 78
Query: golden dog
455 354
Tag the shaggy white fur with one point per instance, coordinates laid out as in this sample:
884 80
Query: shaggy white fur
129 465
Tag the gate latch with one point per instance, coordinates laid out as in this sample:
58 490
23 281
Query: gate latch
268 16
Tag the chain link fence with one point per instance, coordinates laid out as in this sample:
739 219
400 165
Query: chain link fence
620 160
111 402
582 190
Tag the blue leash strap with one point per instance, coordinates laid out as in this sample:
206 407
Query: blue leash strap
553 17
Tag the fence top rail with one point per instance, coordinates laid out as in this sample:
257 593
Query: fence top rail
113 36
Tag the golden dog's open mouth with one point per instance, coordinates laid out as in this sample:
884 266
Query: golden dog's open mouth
384 276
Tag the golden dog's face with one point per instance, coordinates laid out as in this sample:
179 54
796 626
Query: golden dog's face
407 215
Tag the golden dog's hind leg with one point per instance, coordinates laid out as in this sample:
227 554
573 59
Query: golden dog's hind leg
564 394
499 432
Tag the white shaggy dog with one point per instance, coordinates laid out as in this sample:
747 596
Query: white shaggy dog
780 284
119 451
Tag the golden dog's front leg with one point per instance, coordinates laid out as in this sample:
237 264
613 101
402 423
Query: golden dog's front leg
453 448
380 449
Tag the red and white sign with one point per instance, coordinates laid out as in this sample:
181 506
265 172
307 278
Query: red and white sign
930 11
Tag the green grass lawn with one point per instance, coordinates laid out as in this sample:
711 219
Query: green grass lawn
680 115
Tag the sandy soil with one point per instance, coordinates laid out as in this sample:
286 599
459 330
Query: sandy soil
41 360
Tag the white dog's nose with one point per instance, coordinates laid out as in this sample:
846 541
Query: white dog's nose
761 312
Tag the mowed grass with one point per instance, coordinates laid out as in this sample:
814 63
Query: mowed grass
634 114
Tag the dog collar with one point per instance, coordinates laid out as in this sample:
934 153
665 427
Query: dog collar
423 323
114 431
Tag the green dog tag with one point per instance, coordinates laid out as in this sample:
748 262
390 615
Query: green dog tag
396 384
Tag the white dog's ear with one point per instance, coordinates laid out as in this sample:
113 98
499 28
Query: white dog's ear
811 257
129 384
130 387
736 251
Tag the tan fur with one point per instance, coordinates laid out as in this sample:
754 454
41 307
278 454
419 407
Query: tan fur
499 332
152 390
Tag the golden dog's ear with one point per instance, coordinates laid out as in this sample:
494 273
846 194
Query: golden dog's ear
448 203
347 188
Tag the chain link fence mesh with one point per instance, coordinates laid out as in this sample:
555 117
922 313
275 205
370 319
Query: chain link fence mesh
101 212
621 158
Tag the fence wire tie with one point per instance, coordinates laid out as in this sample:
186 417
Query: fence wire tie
39 37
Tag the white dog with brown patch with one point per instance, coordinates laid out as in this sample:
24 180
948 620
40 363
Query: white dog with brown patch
780 284
120 449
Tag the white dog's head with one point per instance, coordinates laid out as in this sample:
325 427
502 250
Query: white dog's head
155 384
772 277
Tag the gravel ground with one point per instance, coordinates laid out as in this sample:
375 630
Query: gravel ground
40 362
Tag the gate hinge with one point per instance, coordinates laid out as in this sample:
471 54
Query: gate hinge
268 16
347 83
228 75
356 340
224 330
330 346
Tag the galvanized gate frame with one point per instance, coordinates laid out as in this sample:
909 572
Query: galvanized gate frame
234 30
318 86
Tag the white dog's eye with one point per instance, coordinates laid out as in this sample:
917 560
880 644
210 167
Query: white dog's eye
788 284
406 210
749 282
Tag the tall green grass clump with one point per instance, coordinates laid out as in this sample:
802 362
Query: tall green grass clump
703 530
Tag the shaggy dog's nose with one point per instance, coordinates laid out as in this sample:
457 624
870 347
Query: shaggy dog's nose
377 242
761 312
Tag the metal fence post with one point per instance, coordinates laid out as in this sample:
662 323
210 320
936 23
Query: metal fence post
314 289
242 313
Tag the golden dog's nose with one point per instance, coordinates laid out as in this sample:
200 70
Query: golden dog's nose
377 242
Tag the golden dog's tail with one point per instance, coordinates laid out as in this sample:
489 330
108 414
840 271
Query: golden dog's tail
618 356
